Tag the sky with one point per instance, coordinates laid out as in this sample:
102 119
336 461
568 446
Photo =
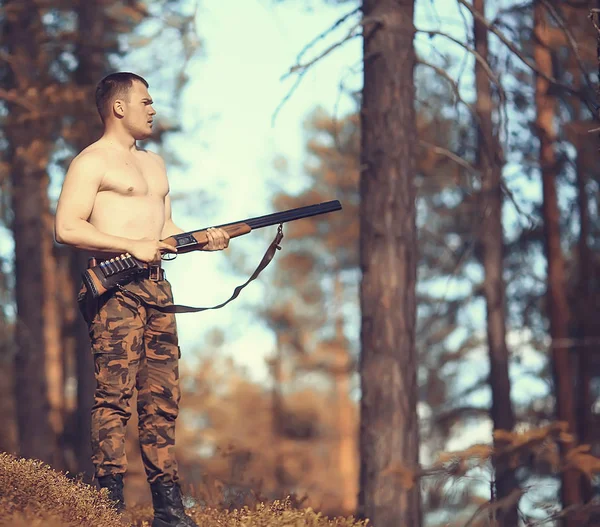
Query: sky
233 92
230 142
229 145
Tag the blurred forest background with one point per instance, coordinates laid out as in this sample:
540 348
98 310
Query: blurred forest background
437 353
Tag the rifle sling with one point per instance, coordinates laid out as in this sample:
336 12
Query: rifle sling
175 308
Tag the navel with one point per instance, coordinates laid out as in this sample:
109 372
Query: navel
130 189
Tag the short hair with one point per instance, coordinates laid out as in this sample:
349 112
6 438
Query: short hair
113 86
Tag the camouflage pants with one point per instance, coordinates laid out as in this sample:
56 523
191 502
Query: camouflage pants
134 347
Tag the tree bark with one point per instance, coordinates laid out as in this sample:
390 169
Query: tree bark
279 478
28 154
585 327
52 330
492 244
558 309
92 56
347 455
585 324
84 374
389 493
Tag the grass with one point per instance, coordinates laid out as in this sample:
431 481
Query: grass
34 495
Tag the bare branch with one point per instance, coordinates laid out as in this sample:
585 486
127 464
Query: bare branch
531 65
287 97
570 39
454 85
465 164
471 50
322 35
440 150
579 512
493 506
301 68
341 89
486 67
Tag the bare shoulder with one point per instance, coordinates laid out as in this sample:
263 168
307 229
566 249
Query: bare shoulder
155 158
91 159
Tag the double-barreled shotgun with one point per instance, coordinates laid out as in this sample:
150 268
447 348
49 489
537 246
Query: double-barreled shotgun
118 271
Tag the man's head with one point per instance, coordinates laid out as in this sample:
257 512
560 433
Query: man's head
124 97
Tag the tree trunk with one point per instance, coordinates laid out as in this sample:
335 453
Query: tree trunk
347 455
389 440
492 243
585 324
68 316
84 371
558 309
346 448
93 64
28 154
279 479
35 435
585 332
52 331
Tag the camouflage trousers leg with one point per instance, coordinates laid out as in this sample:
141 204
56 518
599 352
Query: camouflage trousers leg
134 348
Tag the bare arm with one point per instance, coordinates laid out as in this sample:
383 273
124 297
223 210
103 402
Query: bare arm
218 239
169 227
71 225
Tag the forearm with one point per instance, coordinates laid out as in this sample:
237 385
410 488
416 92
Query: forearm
83 235
169 229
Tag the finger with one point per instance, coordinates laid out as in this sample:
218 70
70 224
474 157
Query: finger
211 238
167 247
219 238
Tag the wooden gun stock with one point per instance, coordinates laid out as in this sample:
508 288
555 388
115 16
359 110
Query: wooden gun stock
100 278
119 270
196 240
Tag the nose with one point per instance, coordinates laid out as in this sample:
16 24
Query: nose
152 111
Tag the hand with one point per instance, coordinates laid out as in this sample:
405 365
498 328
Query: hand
218 239
148 250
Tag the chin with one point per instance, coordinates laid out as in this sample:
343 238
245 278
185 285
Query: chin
141 136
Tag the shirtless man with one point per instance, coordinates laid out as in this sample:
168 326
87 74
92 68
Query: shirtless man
114 200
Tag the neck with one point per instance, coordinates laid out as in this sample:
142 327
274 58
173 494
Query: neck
117 136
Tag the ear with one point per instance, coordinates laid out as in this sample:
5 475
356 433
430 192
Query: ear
119 108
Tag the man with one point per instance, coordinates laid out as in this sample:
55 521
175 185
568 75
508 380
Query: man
115 200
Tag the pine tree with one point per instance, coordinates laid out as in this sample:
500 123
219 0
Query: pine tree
389 440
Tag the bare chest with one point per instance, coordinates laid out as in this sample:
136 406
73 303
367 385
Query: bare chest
134 178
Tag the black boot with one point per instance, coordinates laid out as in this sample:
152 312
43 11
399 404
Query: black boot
114 484
168 506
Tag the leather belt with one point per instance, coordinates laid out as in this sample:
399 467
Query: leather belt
153 272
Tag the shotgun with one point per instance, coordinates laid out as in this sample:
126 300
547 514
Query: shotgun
117 271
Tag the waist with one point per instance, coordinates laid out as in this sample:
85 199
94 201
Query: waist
153 271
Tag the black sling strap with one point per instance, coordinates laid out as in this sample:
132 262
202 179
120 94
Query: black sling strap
175 308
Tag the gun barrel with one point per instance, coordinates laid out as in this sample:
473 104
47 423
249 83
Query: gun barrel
289 215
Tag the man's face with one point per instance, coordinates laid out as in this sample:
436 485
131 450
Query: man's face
138 111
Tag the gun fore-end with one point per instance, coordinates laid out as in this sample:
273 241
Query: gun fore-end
195 240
